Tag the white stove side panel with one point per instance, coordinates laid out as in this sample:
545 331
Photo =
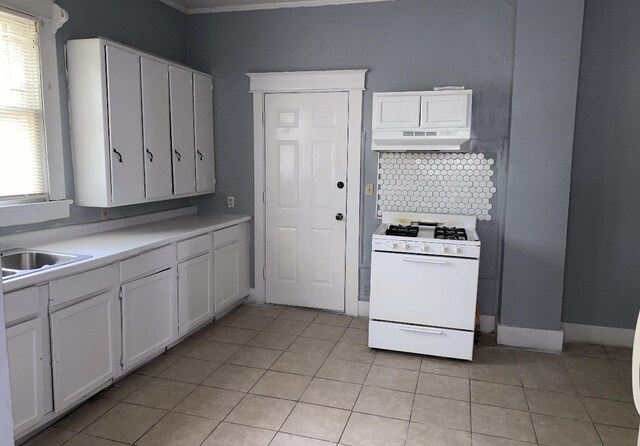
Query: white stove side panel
436 183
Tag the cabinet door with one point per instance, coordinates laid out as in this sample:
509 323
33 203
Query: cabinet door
182 136
445 111
226 275
24 345
155 122
125 126
195 300
84 349
396 112
203 120
148 316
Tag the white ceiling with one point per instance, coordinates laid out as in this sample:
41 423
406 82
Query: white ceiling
207 6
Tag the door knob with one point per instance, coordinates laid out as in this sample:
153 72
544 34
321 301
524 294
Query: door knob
339 216
340 184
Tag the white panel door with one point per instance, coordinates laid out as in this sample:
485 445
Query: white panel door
306 190
226 275
396 112
125 126
156 126
182 132
84 349
195 297
149 317
203 120
24 345
445 111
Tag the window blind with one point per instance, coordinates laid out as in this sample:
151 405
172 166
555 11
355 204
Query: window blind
22 152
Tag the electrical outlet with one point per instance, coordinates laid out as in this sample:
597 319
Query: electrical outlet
231 201
368 189
366 290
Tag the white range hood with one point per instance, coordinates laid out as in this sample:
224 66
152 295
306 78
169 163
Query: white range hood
422 121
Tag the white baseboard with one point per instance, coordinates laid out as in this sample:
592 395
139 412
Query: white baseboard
595 334
530 338
253 297
363 308
487 323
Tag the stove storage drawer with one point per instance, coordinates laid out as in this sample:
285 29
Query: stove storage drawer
424 290
420 339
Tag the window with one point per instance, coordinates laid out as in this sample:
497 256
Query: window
32 178
23 166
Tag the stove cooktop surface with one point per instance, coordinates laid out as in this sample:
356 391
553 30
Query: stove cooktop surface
427 233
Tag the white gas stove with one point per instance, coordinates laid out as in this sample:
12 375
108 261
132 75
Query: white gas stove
424 281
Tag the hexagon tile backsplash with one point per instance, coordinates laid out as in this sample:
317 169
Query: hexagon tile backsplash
442 183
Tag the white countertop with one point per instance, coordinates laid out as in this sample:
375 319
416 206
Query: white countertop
111 246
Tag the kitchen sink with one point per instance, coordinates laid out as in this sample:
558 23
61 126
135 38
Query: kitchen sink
20 262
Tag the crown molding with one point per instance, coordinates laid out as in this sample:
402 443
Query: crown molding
264 6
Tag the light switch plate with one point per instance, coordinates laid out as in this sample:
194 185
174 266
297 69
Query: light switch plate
368 189
231 201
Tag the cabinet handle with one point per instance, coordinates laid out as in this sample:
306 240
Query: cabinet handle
150 155
432 262
177 155
119 155
199 154
422 330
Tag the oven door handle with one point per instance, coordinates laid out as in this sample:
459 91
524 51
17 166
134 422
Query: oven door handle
433 262
421 330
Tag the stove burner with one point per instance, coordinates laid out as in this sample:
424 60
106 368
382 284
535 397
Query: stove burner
445 233
402 231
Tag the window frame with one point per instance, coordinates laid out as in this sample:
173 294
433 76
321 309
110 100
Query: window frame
18 210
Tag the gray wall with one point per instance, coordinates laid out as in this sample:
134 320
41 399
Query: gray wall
145 24
547 57
406 45
602 281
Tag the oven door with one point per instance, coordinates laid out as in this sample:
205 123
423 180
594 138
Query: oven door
424 290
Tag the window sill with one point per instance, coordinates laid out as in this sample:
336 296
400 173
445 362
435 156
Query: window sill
23 214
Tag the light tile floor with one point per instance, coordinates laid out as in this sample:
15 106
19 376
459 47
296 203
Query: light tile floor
267 375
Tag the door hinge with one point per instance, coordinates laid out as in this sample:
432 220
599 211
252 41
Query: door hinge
120 294
264 273
122 362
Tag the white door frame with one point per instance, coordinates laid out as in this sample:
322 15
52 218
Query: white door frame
351 82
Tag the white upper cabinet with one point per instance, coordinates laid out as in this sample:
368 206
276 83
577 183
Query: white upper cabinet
396 112
157 135
445 110
141 126
182 130
203 114
125 126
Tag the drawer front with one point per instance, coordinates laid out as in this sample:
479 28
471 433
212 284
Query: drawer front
194 246
70 288
21 304
144 263
422 340
226 236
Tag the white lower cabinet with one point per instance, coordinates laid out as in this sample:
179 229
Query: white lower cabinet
195 300
83 346
149 321
24 344
230 265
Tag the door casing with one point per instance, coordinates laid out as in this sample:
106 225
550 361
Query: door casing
352 82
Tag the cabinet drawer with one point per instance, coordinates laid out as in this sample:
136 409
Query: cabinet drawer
226 236
421 340
70 288
21 304
194 246
145 263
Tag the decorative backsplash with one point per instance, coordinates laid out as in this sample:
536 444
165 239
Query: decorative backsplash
442 183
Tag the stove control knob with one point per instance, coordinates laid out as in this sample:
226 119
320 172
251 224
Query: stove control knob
457 249
445 248
405 245
393 245
424 247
